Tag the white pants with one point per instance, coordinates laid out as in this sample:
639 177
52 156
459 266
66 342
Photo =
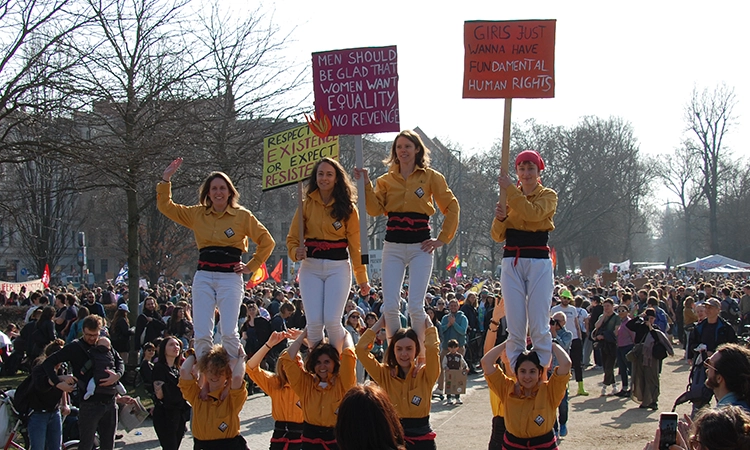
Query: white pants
211 290
396 257
527 289
324 285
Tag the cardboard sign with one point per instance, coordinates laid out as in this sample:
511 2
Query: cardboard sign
509 59
289 156
455 381
357 89
609 277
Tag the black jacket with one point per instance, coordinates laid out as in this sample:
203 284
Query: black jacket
724 335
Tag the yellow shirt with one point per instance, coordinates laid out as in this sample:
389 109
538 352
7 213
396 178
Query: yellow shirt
285 404
411 396
498 409
214 418
394 194
532 212
230 228
320 225
530 416
320 405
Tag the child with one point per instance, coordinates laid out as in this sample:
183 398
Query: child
103 359
454 361
216 420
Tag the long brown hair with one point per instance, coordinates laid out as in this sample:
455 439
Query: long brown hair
344 192
421 158
390 353
367 420
205 188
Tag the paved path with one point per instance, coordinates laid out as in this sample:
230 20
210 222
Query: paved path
595 422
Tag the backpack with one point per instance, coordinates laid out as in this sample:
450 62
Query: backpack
22 398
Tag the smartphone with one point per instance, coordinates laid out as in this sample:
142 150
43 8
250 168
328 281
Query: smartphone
668 430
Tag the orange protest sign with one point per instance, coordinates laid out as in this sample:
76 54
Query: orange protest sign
509 59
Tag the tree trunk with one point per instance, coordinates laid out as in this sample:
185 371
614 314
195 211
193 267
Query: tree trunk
134 270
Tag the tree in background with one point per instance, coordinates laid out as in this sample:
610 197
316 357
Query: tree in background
710 115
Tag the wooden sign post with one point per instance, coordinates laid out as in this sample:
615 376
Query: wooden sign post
509 59
357 89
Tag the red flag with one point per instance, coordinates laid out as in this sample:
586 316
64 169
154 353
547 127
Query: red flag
277 271
553 256
257 277
46 276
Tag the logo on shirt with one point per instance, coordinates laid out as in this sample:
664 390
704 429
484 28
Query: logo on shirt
337 225
539 420
419 192
229 232
416 400
223 427
299 405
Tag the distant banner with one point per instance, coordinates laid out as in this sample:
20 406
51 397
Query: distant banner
289 156
357 89
31 286
509 59
619 267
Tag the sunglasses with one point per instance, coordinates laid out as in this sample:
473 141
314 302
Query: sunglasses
708 365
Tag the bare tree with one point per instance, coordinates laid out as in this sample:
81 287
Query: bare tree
710 115
680 173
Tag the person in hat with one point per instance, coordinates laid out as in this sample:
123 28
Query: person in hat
573 325
408 194
120 331
645 386
524 223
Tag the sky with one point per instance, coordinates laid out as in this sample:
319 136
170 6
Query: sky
637 60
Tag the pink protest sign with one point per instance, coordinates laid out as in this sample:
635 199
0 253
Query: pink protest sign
357 89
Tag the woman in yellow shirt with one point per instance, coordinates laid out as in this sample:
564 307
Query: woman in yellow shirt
222 229
216 419
320 385
531 400
285 406
409 387
527 275
406 194
331 228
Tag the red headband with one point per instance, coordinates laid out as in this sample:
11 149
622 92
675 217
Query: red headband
531 156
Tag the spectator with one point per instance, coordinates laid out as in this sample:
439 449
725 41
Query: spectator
277 298
171 411
563 338
61 308
149 324
34 300
662 321
625 343
48 405
730 308
595 311
180 326
453 326
44 332
453 361
76 329
728 375
605 337
146 368
94 307
573 325
726 428
470 310
98 413
255 331
645 366
745 305
711 331
368 420
120 331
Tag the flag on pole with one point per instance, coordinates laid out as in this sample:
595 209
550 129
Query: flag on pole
669 263
122 275
46 276
453 263
459 274
477 288
257 277
276 272
553 257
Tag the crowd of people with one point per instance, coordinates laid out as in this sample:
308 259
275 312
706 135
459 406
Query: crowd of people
359 365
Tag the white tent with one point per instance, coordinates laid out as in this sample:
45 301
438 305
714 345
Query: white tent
712 261
727 268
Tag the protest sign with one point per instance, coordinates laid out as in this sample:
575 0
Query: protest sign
31 286
289 156
357 89
509 59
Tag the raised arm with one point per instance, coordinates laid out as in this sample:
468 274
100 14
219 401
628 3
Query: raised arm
238 371
275 338
297 344
489 358
186 369
563 360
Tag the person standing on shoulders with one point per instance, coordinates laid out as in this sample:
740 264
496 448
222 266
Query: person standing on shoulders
222 229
